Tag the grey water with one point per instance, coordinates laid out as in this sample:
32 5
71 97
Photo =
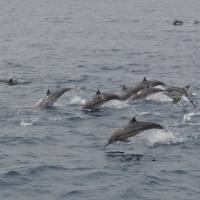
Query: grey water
58 153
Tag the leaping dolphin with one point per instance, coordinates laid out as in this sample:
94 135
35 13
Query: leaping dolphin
99 99
51 97
146 92
133 128
129 91
184 91
176 93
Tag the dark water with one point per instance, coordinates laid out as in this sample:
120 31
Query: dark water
58 153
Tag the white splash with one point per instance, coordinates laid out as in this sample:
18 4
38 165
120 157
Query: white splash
23 123
116 104
188 117
76 100
159 87
159 97
154 137
145 113
28 122
184 98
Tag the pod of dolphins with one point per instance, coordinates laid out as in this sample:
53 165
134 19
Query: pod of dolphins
142 90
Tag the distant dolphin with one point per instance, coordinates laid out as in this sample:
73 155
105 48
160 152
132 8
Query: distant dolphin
51 97
146 92
99 99
176 93
133 128
11 81
178 22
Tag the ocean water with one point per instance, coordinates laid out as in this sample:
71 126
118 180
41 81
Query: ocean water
58 153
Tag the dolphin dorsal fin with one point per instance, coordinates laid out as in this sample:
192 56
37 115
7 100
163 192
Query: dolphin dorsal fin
48 92
98 92
10 80
187 87
123 87
144 79
133 120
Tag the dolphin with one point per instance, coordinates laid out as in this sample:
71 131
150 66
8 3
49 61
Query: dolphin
176 96
178 22
11 81
184 91
99 99
146 92
176 93
127 92
51 97
133 128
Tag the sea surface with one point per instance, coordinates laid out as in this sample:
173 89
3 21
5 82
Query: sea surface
58 153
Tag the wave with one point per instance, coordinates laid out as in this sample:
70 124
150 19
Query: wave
31 171
126 157
189 116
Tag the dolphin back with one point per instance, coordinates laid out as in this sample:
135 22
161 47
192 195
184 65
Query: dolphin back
129 91
146 92
99 99
135 128
95 102
153 83
110 96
